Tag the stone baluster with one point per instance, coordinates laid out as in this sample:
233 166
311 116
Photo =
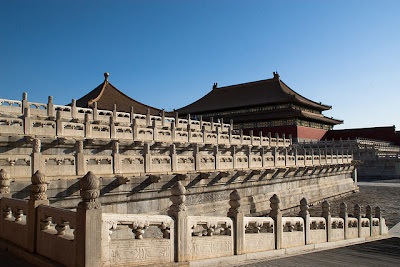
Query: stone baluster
212 124
357 214
203 131
368 214
344 215
189 132
176 119
74 111
80 158
148 118
36 155
305 214
312 157
116 157
284 140
269 138
173 132
216 157
275 152
326 213
59 124
88 126
231 127
178 211
162 118
234 158
4 184
276 214
196 156
27 120
290 139
174 158
378 214
285 153
248 154
50 108
113 130
236 214
147 157
25 104
88 223
38 197
114 111
95 112
241 136
251 137
295 157
132 114
262 151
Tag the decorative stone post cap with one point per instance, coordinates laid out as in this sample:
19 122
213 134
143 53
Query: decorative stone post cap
4 175
89 182
303 202
275 199
38 178
178 189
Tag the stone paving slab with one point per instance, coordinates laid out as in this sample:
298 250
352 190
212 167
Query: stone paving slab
384 252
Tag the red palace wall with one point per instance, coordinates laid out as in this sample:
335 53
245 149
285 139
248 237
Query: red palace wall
297 132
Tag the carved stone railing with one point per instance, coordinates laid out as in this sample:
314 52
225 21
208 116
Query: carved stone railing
259 234
211 237
89 238
129 239
29 118
56 230
13 224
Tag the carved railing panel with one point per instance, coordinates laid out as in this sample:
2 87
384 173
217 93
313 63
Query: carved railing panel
337 229
55 236
129 239
211 237
132 164
13 221
99 164
259 234
317 230
365 224
16 165
11 126
10 106
352 228
293 232
58 165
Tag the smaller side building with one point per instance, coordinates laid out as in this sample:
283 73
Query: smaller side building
267 106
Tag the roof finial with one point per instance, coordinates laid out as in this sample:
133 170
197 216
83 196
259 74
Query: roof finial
276 75
106 76
215 86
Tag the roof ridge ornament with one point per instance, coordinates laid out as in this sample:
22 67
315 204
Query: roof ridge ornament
106 74
215 86
276 75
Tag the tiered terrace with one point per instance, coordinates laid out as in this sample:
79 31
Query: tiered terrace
139 157
88 237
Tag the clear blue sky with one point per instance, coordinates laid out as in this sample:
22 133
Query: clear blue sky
168 54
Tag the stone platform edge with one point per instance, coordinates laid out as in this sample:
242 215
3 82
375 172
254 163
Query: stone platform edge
249 258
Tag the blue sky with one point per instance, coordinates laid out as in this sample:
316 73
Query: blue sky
168 54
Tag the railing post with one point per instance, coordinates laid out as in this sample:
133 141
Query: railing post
113 130
368 213
326 213
4 184
38 197
216 157
237 216
181 232
25 104
88 223
276 214
305 214
59 126
80 158
74 111
196 156
88 126
357 214
27 120
50 108
174 159
344 215
378 214
36 155
147 157
116 157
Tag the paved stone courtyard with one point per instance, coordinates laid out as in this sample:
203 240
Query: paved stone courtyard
382 193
